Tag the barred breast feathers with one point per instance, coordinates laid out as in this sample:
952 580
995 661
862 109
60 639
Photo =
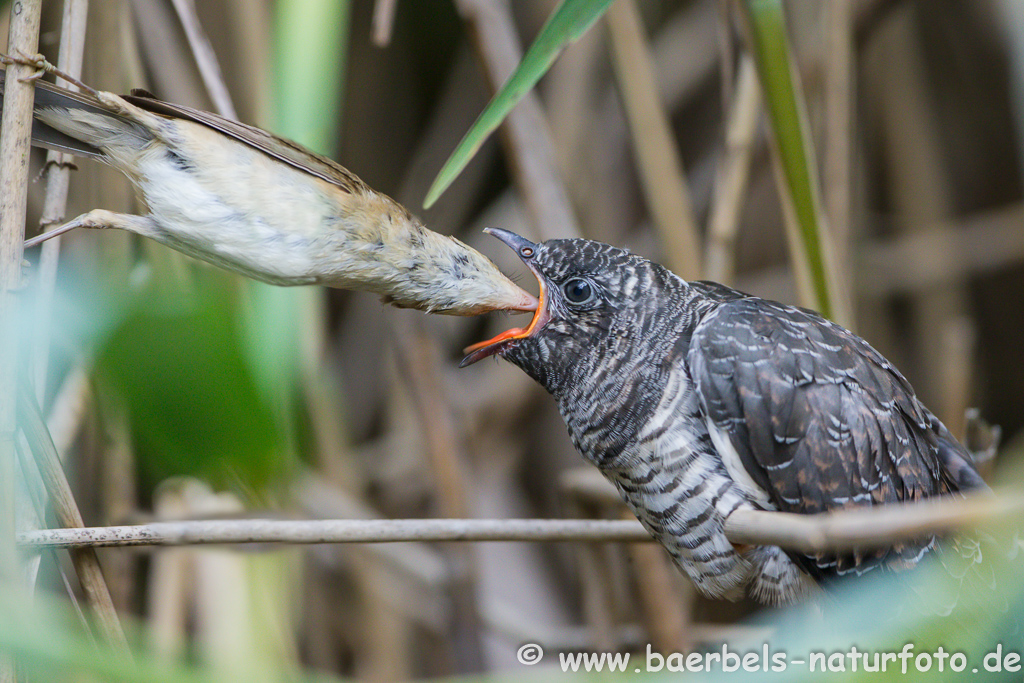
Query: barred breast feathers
653 446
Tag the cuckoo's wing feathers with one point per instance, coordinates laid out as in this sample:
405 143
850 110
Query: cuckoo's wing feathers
818 418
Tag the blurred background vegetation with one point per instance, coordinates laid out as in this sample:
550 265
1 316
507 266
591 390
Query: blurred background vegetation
174 391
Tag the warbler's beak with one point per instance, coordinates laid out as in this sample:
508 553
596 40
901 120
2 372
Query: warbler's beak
525 249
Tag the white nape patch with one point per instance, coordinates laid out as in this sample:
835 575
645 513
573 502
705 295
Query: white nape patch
734 466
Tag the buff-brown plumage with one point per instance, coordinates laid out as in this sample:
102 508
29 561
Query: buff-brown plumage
254 203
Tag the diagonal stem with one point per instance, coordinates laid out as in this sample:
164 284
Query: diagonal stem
66 509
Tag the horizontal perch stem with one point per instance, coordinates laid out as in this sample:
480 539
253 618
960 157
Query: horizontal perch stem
864 528
338 531
838 531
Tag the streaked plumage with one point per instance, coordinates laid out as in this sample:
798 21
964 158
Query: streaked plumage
251 202
695 399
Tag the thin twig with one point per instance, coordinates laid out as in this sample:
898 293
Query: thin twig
69 406
839 127
657 152
733 175
206 59
420 565
868 527
834 531
215 532
383 22
525 129
62 500
58 178
986 242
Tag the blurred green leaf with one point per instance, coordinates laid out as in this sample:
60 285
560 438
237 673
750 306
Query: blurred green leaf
48 642
567 23
195 405
970 606
789 126
310 51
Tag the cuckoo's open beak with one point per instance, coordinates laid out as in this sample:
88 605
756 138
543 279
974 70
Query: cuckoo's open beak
525 249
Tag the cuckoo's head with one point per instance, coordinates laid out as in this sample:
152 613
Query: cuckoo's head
592 298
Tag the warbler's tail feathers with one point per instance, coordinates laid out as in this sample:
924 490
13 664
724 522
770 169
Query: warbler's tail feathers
67 121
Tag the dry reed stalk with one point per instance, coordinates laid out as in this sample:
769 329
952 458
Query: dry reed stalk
733 176
661 169
525 130
15 135
840 67
205 58
418 359
383 21
58 178
833 531
66 510
986 242
921 189
666 613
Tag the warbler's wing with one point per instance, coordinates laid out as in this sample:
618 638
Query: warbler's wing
287 151
818 419
49 95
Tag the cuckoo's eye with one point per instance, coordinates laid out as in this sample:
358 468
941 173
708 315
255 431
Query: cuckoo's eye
578 291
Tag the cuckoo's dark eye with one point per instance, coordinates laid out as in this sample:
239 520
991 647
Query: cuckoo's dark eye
526 252
578 291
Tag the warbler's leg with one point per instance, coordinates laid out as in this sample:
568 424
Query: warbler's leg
101 219
43 66
115 103
118 105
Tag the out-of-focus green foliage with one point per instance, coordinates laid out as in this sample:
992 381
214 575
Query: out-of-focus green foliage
180 365
49 643
951 603
946 606
310 50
